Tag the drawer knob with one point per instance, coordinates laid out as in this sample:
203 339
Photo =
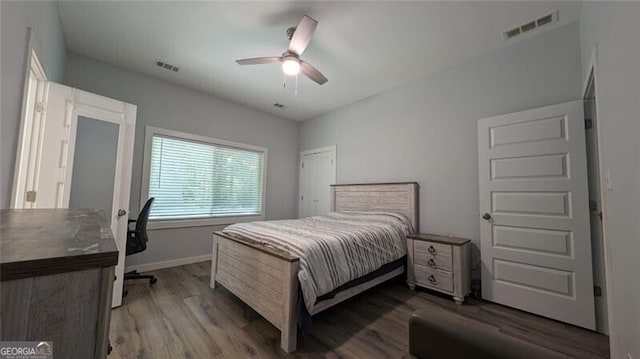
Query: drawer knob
431 263
432 279
432 250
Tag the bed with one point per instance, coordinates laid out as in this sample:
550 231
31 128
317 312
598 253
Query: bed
265 277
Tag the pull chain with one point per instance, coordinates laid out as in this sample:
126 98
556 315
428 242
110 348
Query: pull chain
284 84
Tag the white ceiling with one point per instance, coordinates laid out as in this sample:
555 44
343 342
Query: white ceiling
362 47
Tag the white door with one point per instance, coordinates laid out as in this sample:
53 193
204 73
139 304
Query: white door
99 132
536 245
308 181
51 186
317 174
326 176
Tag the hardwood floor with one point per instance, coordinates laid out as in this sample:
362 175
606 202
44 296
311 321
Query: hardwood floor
181 317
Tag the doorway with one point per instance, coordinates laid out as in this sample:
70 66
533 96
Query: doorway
80 154
317 174
595 205
31 131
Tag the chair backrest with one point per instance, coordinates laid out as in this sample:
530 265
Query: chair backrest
143 218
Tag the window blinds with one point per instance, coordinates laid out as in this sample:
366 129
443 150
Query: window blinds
191 179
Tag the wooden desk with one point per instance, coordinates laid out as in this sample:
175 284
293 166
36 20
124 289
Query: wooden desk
56 279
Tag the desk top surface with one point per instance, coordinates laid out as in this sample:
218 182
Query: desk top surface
36 242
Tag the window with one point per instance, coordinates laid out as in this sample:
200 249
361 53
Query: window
201 181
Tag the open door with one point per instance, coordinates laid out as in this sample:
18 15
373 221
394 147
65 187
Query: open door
534 205
83 159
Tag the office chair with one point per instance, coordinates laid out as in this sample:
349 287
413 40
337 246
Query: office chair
137 241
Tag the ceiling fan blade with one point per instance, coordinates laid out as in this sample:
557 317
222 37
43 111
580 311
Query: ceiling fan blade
312 73
303 34
259 61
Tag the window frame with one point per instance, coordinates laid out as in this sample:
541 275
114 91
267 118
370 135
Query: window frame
150 131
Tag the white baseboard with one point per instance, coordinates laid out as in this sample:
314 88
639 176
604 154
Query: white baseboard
167 264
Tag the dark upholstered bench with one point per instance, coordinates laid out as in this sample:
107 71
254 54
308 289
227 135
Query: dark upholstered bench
440 334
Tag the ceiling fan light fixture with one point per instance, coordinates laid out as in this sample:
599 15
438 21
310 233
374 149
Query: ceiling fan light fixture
291 66
299 38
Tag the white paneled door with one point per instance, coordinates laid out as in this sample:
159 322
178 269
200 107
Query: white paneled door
96 131
536 245
317 174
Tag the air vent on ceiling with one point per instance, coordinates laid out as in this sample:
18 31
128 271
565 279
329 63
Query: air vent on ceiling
167 66
531 25
279 105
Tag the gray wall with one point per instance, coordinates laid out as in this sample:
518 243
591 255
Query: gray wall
16 16
426 131
615 27
94 165
164 105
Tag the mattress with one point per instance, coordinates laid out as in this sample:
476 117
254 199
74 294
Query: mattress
334 249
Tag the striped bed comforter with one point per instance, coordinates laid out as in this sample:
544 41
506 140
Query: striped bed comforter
334 248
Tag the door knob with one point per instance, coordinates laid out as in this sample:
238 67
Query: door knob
121 212
486 216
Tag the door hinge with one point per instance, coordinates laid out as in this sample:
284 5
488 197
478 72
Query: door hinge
597 291
31 196
302 164
593 205
302 198
588 123
332 162
41 106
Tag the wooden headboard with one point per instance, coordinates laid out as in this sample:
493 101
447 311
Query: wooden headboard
399 198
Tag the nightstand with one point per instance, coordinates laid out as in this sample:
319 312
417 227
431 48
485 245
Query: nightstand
439 263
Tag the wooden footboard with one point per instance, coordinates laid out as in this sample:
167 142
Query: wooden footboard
263 278
267 279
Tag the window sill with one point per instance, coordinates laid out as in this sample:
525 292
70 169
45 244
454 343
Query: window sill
186 223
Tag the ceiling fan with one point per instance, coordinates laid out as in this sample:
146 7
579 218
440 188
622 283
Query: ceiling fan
299 37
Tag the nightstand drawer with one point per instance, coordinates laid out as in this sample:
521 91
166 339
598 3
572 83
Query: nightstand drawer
432 248
440 262
433 255
433 278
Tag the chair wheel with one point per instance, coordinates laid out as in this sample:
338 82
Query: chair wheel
153 280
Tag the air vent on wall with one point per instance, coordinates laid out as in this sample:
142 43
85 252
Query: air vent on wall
167 66
531 25
279 105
